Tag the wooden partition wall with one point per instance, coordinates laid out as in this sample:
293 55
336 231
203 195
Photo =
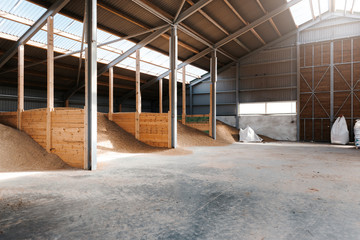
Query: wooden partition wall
153 127
199 121
67 131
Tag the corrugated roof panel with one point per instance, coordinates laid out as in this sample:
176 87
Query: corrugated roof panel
283 23
250 40
28 10
205 28
223 15
13 28
266 31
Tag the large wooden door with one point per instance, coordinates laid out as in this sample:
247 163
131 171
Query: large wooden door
329 87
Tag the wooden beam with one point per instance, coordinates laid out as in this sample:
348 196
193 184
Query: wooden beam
50 79
111 93
138 96
20 85
183 95
161 96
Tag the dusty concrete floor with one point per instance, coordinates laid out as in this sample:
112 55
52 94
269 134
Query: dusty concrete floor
242 191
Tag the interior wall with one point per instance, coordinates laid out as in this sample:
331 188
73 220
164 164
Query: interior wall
278 127
329 77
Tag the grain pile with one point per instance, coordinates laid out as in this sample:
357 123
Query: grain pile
19 152
188 136
112 138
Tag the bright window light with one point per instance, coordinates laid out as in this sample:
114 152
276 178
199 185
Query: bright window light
288 107
252 108
280 107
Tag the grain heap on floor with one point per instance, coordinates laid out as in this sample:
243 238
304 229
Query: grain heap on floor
188 136
19 152
112 138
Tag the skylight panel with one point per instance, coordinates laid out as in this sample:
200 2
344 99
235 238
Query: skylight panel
315 4
301 12
152 62
324 6
340 5
357 6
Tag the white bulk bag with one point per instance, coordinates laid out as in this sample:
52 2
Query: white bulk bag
248 135
340 132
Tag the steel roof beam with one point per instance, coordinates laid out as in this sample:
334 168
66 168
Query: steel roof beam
193 9
243 21
55 8
180 8
152 10
256 23
210 19
220 43
141 44
167 18
123 56
270 20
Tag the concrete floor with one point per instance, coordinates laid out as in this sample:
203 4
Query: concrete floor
241 191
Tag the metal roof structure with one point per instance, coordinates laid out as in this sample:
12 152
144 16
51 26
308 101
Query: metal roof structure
235 28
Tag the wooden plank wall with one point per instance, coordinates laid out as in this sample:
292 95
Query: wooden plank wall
67 131
154 129
33 122
202 125
9 119
126 120
68 135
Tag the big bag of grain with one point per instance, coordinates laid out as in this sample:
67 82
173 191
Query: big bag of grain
357 133
340 132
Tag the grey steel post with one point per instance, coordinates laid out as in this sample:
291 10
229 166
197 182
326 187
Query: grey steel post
237 112
91 88
331 83
352 90
298 85
173 84
191 99
213 70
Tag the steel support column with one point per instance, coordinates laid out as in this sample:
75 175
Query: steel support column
237 111
160 96
20 108
91 86
213 72
191 99
173 84
50 80
111 93
298 86
331 83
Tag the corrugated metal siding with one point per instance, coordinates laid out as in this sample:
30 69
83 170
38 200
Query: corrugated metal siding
330 30
225 97
269 76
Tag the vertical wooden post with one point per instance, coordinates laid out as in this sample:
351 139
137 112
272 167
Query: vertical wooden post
20 85
138 96
111 93
183 118
120 107
67 103
161 96
50 80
